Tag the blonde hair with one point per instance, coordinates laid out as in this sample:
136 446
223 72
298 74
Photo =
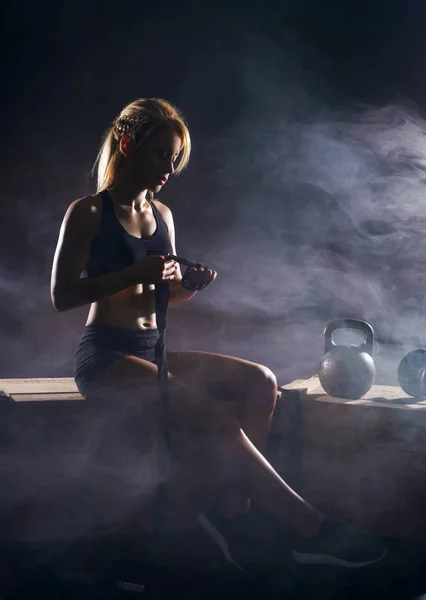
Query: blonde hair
138 120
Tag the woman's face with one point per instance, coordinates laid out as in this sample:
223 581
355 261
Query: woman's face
154 159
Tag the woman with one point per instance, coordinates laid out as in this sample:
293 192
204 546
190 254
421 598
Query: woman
120 240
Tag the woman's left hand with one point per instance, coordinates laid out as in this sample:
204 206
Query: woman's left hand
198 278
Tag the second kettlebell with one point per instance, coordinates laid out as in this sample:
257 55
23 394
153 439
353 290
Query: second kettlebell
412 373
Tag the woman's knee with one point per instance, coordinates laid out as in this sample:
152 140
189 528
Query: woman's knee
262 386
262 379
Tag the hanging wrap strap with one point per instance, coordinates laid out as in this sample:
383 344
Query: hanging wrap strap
162 294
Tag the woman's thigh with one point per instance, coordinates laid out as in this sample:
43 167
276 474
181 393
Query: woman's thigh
130 386
230 377
122 378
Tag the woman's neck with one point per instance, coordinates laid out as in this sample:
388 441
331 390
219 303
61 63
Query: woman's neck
123 191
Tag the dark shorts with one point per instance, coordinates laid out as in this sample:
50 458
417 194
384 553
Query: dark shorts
101 345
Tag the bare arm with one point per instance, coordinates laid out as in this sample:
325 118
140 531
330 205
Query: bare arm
79 227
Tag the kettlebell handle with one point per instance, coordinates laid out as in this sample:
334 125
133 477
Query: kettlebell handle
367 330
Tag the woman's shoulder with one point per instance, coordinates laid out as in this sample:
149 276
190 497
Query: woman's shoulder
91 203
85 212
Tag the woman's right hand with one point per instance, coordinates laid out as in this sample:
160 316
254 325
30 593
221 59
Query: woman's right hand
155 269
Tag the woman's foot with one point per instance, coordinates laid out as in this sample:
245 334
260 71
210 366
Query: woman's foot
336 544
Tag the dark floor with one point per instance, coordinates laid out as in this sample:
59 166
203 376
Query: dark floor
189 566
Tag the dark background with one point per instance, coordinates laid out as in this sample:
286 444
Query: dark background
305 190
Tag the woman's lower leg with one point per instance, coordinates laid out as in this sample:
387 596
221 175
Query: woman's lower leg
256 415
234 456
263 484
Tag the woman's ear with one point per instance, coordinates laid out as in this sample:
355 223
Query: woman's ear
127 145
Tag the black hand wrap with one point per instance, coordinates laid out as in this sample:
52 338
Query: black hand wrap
159 509
190 286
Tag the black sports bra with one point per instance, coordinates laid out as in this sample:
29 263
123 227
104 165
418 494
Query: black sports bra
114 248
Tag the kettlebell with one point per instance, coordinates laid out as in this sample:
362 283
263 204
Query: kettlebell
412 373
347 371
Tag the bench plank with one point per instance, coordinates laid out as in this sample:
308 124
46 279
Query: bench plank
50 389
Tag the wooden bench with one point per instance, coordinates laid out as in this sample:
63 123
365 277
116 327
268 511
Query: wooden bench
361 459
364 460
